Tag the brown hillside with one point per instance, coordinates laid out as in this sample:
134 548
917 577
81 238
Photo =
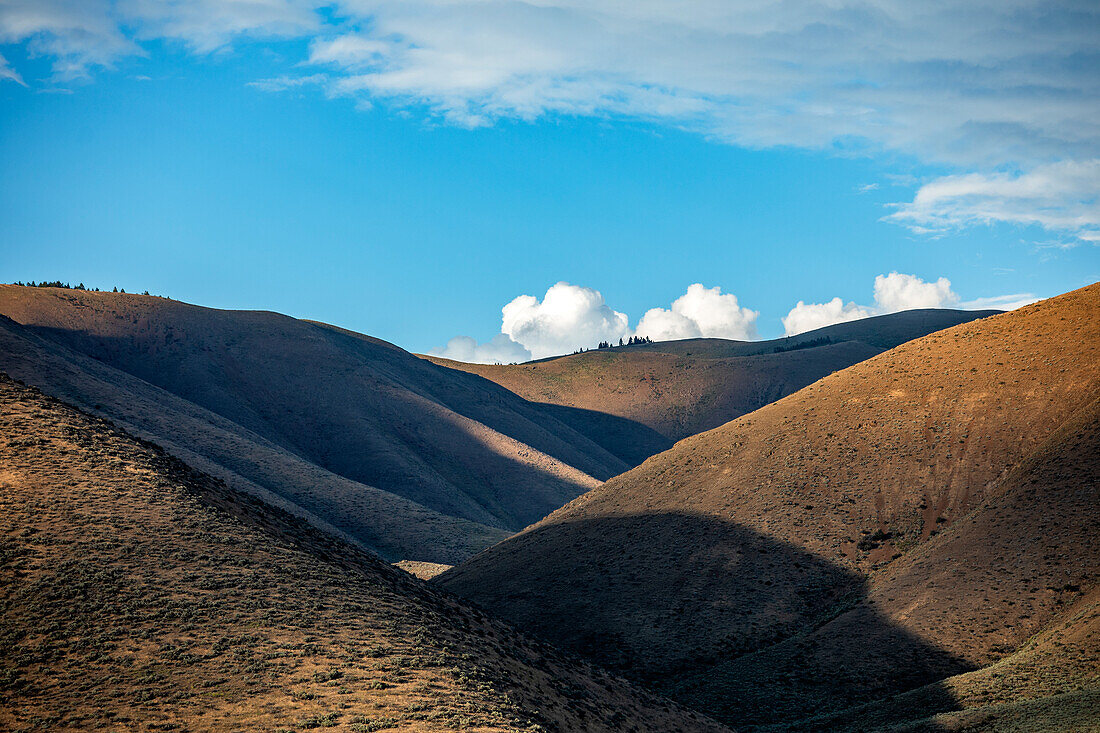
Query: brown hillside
747 538
390 525
138 594
357 407
1020 572
680 388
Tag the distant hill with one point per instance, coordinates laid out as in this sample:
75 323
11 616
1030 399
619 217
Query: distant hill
901 523
414 460
138 593
680 388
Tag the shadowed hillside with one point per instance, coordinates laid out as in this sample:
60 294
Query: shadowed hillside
1014 586
680 388
861 474
138 593
385 523
322 418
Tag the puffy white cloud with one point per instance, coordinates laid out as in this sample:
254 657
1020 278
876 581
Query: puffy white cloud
1062 197
700 312
568 316
899 292
894 292
571 317
809 316
498 350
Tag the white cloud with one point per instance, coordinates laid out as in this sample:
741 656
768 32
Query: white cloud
568 317
700 312
809 316
283 83
980 86
207 25
979 83
1062 197
77 34
571 317
498 350
7 72
898 292
894 292
1001 302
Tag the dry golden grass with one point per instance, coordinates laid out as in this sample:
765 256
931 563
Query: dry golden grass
680 388
748 570
139 594
385 523
423 570
359 407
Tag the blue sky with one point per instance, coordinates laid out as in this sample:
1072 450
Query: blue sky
307 162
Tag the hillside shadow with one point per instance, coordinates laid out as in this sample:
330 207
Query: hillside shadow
752 631
629 441
377 415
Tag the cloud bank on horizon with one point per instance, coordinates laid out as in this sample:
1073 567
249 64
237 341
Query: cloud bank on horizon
572 317
1003 94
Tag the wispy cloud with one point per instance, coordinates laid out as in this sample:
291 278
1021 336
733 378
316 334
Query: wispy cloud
283 83
8 73
1061 197
978 87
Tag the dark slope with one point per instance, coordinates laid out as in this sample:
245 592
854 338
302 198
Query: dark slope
1001 585
356 406
734 547
385 523
680 388
137 593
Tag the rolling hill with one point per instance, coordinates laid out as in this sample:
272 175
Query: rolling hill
377 520
411 459
140 594
880 531
680 388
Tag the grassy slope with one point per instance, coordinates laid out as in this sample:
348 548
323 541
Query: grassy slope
1014 584
139 594
385 523
355 406
751 535
680 388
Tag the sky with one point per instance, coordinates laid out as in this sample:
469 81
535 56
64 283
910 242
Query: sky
494 180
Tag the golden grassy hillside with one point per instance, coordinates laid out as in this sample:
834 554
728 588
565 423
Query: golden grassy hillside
680 388
354 405
410 459
386 523
139 594
758 570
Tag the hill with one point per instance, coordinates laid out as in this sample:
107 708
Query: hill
680 388
377 520
322 418
757 571
138 593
